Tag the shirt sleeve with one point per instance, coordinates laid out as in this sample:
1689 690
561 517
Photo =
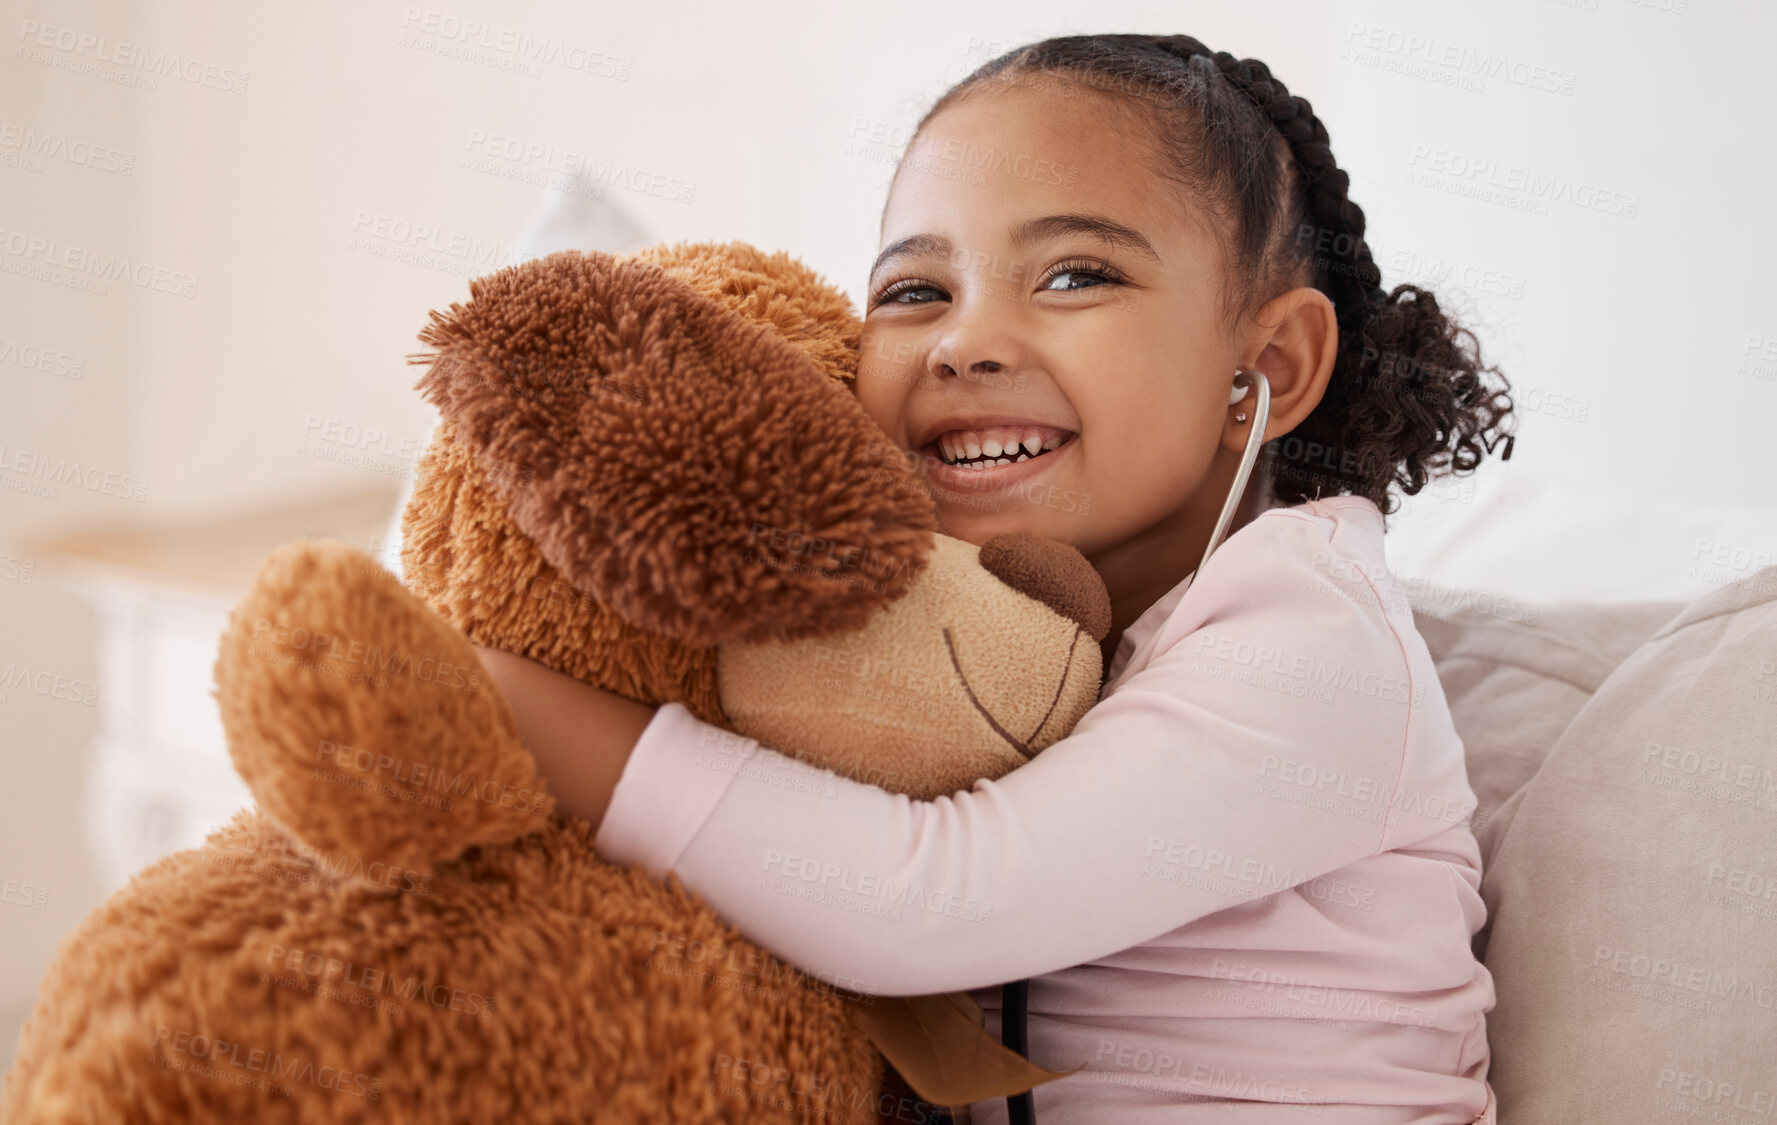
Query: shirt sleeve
1162 806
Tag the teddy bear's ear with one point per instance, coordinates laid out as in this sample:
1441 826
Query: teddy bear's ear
775 289
693 469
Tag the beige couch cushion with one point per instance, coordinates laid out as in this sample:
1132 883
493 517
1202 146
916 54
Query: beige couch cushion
1631 881
1515 675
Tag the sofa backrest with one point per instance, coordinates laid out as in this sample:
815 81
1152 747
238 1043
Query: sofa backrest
1625 762
1515 675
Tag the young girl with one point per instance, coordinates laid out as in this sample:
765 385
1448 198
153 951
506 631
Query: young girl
1244 888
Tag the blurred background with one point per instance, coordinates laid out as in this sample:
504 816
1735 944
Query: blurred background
222 226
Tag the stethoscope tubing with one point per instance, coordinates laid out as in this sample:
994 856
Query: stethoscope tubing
1021 1109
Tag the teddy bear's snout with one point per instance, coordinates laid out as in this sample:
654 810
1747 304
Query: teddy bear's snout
1053 573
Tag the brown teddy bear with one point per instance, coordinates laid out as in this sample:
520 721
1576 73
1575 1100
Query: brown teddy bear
650 473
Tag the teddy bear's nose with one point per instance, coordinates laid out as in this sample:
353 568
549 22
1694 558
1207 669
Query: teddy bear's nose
1053 573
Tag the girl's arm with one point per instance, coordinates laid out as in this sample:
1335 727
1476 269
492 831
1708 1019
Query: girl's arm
1179 795
580 735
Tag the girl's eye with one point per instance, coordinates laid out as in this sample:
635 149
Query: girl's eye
1099 271
906 285
1094 272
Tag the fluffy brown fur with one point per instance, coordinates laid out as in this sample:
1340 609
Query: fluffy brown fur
404 931
626 414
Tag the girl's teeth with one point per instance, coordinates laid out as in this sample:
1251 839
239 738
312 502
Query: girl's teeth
980 452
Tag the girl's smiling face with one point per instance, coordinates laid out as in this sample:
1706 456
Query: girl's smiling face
1038 280
1041 284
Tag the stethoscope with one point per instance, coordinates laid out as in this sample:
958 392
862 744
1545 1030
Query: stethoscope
1021 1109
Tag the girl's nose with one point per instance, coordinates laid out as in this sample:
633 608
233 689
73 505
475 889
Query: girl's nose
1053 573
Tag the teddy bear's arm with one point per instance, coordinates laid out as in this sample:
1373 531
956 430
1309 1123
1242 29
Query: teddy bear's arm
363 722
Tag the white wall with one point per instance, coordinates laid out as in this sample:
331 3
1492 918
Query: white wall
1643 463
1627 334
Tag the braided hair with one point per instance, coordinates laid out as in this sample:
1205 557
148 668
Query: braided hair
1407 398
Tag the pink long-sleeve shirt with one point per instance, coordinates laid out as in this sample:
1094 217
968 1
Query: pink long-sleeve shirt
1243 888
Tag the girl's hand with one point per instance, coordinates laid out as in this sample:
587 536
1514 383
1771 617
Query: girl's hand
580 735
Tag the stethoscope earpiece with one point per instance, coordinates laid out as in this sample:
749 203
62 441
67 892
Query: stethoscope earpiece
1255 437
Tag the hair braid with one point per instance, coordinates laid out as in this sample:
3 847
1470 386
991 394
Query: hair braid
1407 394
1351 277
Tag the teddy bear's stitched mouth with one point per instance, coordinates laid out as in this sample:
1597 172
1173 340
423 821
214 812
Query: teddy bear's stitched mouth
1019 744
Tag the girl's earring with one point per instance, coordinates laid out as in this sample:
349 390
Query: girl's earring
1254 438
1235 394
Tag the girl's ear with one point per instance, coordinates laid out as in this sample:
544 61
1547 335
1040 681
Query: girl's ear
1295 342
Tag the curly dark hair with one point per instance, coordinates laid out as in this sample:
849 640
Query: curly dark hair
1407 399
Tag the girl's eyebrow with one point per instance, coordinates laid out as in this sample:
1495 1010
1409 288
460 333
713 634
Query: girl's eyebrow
1049 226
